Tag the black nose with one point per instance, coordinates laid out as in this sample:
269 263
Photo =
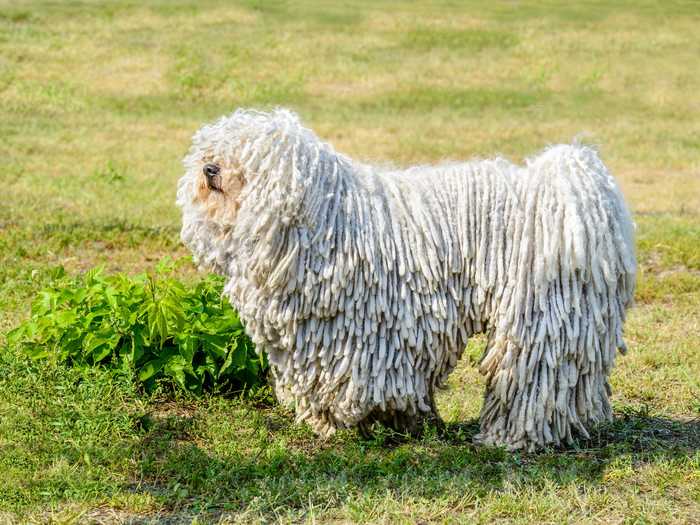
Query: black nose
211 170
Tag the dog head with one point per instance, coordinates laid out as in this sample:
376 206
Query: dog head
215 167
225 163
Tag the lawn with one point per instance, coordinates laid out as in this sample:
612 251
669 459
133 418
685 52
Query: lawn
98 101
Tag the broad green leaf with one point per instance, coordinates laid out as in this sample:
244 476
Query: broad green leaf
188 346
229 361
175 368
151 368
37 352
137 345
99 353
45 302
14 337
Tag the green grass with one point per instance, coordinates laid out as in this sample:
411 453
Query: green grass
457 40
98 101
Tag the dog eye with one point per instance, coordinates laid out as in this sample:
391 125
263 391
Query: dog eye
211 170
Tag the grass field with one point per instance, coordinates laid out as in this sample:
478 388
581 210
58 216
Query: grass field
97 105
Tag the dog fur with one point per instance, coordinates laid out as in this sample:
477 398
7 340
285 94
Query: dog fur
363 285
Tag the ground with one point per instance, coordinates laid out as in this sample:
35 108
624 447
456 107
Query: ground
97 105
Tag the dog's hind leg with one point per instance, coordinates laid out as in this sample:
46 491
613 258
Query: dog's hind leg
546 393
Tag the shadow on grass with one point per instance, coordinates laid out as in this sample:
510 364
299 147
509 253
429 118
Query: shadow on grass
278 465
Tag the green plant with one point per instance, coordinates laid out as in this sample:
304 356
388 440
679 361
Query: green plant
153 325
110 173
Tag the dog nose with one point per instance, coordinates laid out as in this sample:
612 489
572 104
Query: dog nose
211 170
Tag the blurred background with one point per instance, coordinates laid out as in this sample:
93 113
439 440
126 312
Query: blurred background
98 100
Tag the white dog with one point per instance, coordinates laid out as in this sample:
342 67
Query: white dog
363 285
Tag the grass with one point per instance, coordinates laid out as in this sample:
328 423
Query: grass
97 105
